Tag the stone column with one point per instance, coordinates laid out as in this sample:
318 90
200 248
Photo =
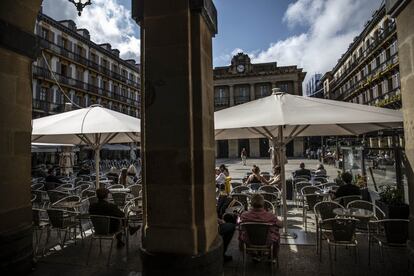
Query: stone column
405 32
234 148
18 49
180 231
231 95
254 148
252 92
297 90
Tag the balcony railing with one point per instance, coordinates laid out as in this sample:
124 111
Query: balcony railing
89 88
221 101
86 62
370 77
241 99
381 37
47 107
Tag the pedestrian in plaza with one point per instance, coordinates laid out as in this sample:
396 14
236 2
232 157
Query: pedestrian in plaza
243 156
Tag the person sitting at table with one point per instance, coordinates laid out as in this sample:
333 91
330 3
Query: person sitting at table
85 170
276 180
320 171
259 214
226 221
224 169
124 178
220 178
348 189
112 175
132 172
52 182
255 177
302 171
105 208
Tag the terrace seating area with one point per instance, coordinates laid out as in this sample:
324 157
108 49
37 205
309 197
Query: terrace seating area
334 237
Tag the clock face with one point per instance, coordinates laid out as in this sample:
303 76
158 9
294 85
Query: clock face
240 68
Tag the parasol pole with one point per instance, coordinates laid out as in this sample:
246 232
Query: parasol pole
281 150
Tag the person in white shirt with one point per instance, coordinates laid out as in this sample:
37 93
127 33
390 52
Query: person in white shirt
220 178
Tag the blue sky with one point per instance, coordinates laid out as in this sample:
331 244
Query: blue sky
312 34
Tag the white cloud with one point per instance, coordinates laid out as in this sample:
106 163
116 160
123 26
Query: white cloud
330 25
106 20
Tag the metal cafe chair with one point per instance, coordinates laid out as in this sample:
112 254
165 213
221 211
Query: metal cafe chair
309 200
239 189
257 242
243 198
323 210
344 200
343 234
102 231
392 233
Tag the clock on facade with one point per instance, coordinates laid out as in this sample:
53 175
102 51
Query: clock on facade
240 68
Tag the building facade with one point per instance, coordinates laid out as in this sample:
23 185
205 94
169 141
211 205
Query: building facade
244 81
86 72
314 86
368 72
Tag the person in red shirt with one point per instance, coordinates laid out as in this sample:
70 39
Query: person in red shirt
259 214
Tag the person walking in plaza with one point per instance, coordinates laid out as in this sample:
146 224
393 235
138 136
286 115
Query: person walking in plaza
243 156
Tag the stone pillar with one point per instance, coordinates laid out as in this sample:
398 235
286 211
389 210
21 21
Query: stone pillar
298 147
252 92
254 148
405 32
234 148
18 49
231 95
180 231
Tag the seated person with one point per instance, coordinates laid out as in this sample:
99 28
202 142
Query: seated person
224 169
132 173
220 178
320 171
125 179
302 171
85 170
226 222
259 214
348 188
276 180
52 182
256 178
105 208
113 175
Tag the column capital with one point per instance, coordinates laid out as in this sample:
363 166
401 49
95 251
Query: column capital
208 11
205 7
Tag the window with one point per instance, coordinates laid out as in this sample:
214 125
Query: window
396 81
393 48
45 33
42 94
262 91
382 57
384 86
373 64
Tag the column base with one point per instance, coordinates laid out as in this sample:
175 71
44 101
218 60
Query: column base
206 264
16 252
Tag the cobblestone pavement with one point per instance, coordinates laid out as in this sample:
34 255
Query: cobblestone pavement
296 258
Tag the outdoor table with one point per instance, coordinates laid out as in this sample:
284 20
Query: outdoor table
120 190
354 212
68 205
234 209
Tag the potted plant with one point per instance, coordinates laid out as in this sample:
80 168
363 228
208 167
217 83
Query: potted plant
392 202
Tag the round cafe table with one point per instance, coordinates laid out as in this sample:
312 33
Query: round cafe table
120 190
354 212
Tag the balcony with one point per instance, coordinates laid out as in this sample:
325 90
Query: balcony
371 77
47 107
44 73
365 54
241 99
221 102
